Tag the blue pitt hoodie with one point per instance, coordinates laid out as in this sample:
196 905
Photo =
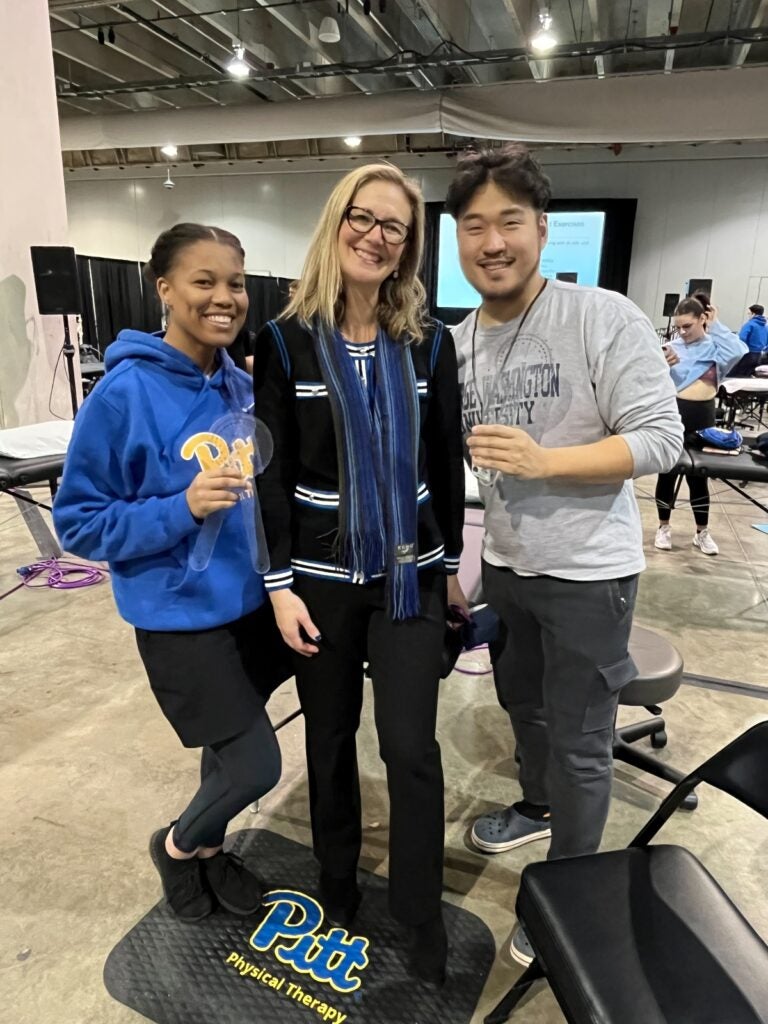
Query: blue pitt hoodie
140 438
755 334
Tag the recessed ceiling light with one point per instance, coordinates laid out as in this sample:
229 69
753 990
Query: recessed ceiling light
170 150
353 141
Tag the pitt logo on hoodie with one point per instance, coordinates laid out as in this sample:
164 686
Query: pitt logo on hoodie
213 452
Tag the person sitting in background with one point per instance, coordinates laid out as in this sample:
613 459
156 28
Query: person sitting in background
699 358
754 334
143 473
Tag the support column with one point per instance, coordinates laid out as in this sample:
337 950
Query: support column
32 212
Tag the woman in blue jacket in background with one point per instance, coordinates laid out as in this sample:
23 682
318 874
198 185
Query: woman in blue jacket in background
143 472
699 358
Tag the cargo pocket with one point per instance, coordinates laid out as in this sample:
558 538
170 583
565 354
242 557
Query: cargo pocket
600 713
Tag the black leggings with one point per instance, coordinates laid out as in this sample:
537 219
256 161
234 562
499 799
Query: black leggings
234 773
695 416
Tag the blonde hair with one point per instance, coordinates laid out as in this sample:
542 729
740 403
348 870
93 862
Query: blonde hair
320 291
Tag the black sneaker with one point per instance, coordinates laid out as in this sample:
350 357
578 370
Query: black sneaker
428 953
340 898
234 886
182 883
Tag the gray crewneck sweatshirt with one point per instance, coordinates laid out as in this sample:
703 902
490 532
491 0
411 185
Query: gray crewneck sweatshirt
586 364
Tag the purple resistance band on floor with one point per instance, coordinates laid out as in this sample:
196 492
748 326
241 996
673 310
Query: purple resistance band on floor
60 575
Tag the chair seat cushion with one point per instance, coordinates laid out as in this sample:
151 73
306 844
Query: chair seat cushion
643 936
659 669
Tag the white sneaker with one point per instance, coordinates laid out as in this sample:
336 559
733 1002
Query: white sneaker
703 541
663 538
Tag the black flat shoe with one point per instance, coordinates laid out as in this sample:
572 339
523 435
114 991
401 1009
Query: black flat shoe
234 886
182 881
428 951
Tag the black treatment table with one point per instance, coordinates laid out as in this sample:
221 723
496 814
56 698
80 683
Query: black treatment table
734 470
16 475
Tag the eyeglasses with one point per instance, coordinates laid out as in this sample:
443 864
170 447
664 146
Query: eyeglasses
362 221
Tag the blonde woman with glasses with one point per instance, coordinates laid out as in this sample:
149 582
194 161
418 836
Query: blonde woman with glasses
363 507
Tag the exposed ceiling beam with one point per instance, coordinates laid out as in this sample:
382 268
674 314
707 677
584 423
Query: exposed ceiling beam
675 9
67 81
290 20
85 51
174 40
380 36
128 44
760 17
539 68
222 37
445 30
423 35
486 27
57 6
417 62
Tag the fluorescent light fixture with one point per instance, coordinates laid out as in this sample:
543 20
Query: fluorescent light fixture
353 141
170 150
237 66
544 41
329 31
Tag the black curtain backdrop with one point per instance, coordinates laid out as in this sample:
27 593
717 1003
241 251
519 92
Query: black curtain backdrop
267 297
431 252
114 296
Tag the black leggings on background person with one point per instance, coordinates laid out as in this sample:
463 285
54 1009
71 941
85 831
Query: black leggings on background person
695 416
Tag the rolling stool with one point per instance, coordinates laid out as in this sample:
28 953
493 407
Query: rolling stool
660 672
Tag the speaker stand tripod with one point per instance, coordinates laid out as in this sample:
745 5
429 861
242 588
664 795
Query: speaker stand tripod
69 357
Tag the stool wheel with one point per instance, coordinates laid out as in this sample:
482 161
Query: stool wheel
658 739
690 803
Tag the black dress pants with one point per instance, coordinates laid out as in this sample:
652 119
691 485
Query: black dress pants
404 664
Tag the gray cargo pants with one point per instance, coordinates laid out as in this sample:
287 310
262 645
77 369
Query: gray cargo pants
559 661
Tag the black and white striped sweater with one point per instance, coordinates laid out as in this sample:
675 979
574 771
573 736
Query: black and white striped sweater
299 490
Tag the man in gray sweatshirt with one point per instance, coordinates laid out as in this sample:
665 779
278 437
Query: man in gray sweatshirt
566 398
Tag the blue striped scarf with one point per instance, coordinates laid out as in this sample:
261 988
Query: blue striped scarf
377 448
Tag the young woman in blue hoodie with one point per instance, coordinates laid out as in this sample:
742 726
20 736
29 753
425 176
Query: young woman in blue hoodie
144 471
699 358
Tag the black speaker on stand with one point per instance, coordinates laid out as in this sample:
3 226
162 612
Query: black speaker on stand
671 300
58 294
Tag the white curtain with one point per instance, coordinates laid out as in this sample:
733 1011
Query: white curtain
689 106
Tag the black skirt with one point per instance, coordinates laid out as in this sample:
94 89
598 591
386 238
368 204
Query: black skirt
210 684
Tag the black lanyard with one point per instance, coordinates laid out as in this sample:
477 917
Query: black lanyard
512 343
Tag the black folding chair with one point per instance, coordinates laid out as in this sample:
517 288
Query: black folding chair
646 935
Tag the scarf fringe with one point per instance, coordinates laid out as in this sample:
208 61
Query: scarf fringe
403 592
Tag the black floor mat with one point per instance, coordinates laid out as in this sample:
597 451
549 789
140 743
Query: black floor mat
211 973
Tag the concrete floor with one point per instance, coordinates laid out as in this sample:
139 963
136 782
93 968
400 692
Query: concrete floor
89 768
